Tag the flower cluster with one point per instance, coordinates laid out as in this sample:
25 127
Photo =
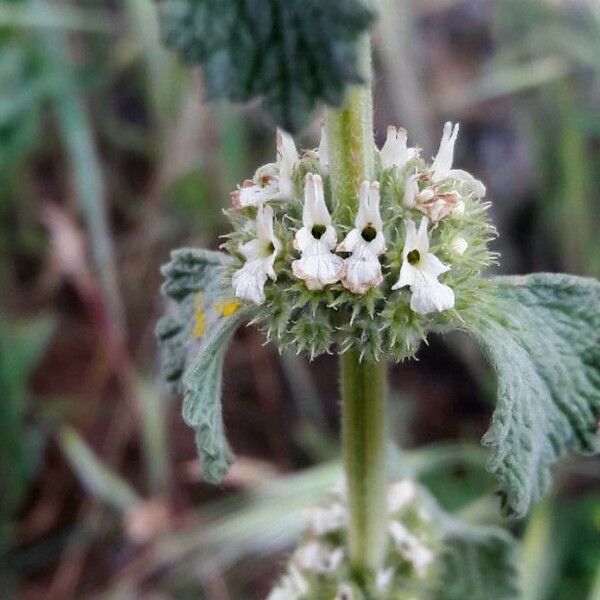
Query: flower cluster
319 567
407 262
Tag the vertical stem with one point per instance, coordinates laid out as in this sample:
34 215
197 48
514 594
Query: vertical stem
350 135
364 386
364 437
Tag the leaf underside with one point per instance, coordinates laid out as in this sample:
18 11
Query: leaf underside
193 365
543 339
291 53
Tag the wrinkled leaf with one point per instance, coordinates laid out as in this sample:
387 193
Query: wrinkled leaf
192 358
189 272
542 337
202 409
291 53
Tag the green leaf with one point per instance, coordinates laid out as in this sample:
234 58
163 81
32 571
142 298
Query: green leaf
542 337
478 563
292 53
192 361
190 271
202 410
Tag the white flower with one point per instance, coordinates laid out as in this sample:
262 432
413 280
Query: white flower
317 266
260 254
287 157
344 592
383 579
400 494
317 558
411 191
459 245
411 548
395 152
420 270
430 202
324 520
442 164
365 242
272 181
292 587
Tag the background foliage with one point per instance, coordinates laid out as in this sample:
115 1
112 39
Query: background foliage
108 160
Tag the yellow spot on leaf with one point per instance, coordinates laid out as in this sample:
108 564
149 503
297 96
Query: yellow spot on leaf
199 317
228 307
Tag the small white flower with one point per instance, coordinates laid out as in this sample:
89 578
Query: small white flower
324 148
434 205
292 587
395 151
383 579
272 181
260 254
344 592
411 191
324 520
420 270
287 157
411 548
401 494
459 245
318 266
317 558
442 164
365 242
262 187
336 557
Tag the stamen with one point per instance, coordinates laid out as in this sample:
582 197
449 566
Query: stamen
317 231
369 233
414 256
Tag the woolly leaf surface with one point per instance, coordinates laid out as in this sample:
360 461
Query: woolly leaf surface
202 408
192 360
543 339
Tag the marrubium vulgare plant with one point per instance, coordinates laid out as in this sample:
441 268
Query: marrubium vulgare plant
363 251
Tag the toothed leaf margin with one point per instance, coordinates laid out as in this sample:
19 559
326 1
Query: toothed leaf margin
193 364
542 336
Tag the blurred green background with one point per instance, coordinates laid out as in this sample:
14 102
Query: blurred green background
108 159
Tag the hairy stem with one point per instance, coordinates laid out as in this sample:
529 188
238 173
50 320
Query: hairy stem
364 437
364 387
350 135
